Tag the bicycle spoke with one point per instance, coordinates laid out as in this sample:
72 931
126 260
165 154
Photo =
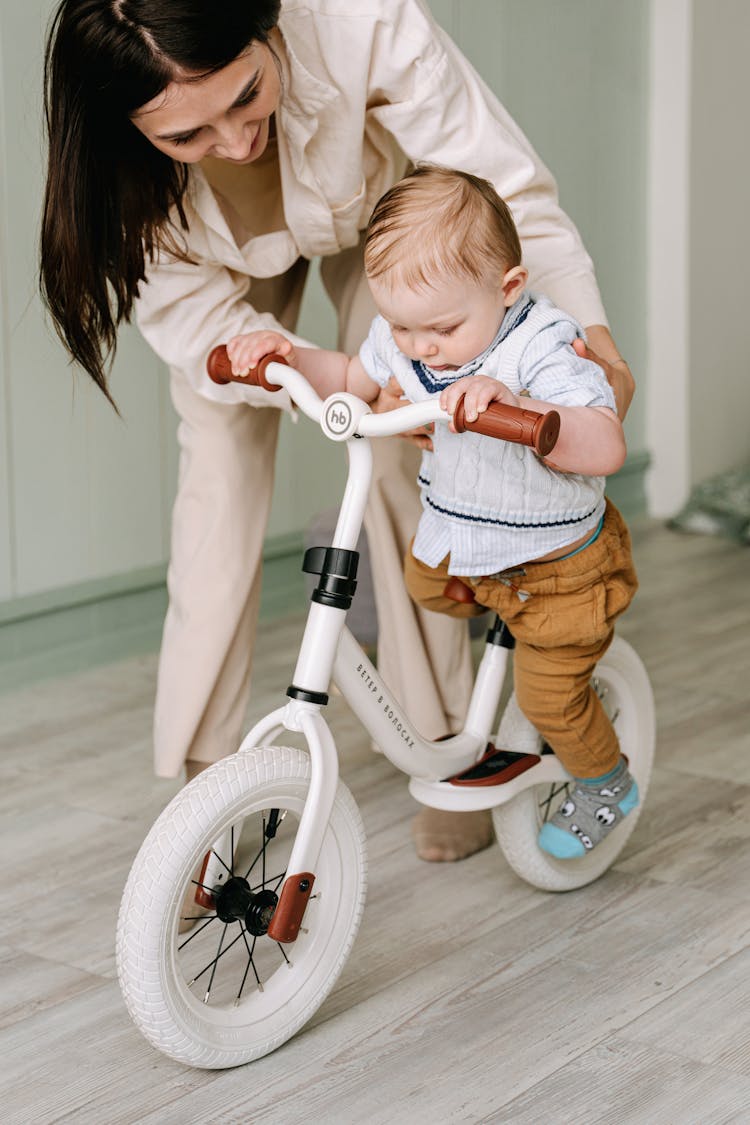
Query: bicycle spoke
277 879
283 954
222 974
258 981
554 791
250 964
217 958
198 931
213 970
222 952
247 968
261 853
221 861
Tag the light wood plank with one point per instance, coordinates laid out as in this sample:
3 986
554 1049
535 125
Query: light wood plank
706 1021
30 984
632 1085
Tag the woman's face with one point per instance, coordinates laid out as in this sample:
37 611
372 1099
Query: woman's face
226 114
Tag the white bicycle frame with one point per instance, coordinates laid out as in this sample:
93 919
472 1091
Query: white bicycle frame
329 651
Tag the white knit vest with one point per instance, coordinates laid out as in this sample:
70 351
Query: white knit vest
479 485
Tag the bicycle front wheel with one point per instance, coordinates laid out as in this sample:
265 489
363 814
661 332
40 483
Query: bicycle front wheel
623 686
221 992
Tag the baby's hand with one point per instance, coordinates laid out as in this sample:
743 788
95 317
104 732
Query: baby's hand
479 391
247 351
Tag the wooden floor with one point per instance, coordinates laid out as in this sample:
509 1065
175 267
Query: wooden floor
469 996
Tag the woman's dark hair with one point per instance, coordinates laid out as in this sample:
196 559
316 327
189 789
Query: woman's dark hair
109 191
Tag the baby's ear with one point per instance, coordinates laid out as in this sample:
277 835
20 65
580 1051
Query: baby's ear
514 283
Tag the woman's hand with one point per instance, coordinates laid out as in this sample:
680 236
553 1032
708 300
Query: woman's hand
616 369
248 350
391 397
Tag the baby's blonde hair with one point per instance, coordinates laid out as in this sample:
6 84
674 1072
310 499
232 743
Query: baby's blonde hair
437 221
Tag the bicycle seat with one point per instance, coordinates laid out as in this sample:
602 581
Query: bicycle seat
458 591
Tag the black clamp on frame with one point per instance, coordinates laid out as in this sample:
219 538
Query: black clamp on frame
338 574
500 634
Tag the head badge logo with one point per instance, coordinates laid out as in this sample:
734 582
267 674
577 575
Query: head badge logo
338 416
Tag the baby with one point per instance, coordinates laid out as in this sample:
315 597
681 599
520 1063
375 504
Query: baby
534 539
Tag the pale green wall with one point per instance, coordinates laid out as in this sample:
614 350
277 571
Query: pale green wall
6 582
86 492
84 497
574 76
719 239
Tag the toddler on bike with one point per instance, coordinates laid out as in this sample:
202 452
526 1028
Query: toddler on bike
533 539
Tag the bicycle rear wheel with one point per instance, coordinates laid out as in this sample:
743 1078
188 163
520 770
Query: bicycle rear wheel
624 688
224 993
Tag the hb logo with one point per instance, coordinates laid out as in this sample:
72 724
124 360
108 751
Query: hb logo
338 417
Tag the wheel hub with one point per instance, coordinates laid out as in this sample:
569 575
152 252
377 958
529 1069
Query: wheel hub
232 899
235 900
260 912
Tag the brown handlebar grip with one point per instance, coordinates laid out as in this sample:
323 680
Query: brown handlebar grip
511 423
219 367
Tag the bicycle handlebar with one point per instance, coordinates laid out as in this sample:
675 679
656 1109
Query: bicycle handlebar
508 423
219 368
512 423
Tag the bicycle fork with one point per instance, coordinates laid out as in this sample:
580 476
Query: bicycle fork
336 567
297 886
302 713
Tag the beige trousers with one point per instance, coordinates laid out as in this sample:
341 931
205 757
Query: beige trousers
218 526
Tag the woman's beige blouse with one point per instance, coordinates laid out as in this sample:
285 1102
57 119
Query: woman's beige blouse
367 86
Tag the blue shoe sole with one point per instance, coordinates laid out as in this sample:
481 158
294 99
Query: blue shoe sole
559 843
630 802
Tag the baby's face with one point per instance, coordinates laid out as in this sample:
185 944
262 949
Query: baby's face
446 324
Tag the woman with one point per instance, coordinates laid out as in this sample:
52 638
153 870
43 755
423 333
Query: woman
199 156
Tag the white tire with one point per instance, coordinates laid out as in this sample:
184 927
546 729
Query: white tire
624 688
260 992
